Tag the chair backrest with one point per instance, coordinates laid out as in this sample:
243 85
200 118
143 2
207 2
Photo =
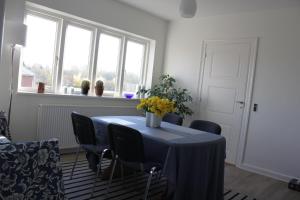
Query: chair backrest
84 130
126 142
173 119
206 126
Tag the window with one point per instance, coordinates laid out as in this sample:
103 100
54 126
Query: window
63 50
108 61
39 54
133 66
77 54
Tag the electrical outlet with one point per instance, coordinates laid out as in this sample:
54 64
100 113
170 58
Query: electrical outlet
294 184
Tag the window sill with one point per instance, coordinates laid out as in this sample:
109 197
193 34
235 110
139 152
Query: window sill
75 96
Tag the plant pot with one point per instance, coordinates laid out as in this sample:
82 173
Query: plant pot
99 88
152 120
85 87
85 91
99 91
41 87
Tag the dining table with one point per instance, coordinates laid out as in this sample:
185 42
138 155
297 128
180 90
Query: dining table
193 160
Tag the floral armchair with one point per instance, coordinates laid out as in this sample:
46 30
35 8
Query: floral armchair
4 129
30 171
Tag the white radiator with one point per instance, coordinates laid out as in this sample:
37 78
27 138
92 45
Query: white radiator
54 121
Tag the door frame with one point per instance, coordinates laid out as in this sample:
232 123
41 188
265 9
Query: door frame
253 42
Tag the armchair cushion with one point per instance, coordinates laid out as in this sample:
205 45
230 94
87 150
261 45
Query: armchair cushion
30 171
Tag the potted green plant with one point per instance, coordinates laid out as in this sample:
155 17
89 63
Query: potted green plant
85 87
141 92
166 89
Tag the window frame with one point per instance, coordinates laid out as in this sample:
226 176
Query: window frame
56 48
121 37
91 50
144 65
65 19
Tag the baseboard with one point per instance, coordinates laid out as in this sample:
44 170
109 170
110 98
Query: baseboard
265 172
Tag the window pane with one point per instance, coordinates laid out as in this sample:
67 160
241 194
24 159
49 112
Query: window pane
76 56
133 66
39 53
108 61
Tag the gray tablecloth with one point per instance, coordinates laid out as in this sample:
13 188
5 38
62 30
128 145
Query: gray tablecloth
194 159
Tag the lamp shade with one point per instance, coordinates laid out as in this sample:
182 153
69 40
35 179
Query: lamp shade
188 8
18 36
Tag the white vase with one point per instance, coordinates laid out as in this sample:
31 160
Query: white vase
152 120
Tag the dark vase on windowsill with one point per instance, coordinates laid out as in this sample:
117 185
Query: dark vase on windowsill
85 87
41 87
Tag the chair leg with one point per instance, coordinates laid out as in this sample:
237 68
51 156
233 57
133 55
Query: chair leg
98 170
135 178
149 182
142 167
112 173
76 159
122 173
158 177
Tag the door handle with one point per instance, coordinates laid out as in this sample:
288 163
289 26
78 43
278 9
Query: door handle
242 104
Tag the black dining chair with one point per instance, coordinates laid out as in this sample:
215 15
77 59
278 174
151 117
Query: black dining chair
128 149
173 119
84 132
206 126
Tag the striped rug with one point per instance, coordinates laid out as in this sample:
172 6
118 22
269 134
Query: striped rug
132 188
80 187
230 195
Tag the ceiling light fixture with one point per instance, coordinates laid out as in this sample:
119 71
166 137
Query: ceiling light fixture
188 8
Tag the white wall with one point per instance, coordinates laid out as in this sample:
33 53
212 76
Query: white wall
13 12
273 141
108 12
1 23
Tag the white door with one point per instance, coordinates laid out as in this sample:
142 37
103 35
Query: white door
224 86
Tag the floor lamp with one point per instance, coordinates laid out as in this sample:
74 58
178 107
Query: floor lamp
18 41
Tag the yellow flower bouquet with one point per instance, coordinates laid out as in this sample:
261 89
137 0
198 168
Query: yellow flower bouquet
155 108
157 105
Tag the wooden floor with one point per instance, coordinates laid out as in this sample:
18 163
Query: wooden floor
261 187
238 182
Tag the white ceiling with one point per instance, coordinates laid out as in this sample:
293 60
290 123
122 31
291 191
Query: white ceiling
168 9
